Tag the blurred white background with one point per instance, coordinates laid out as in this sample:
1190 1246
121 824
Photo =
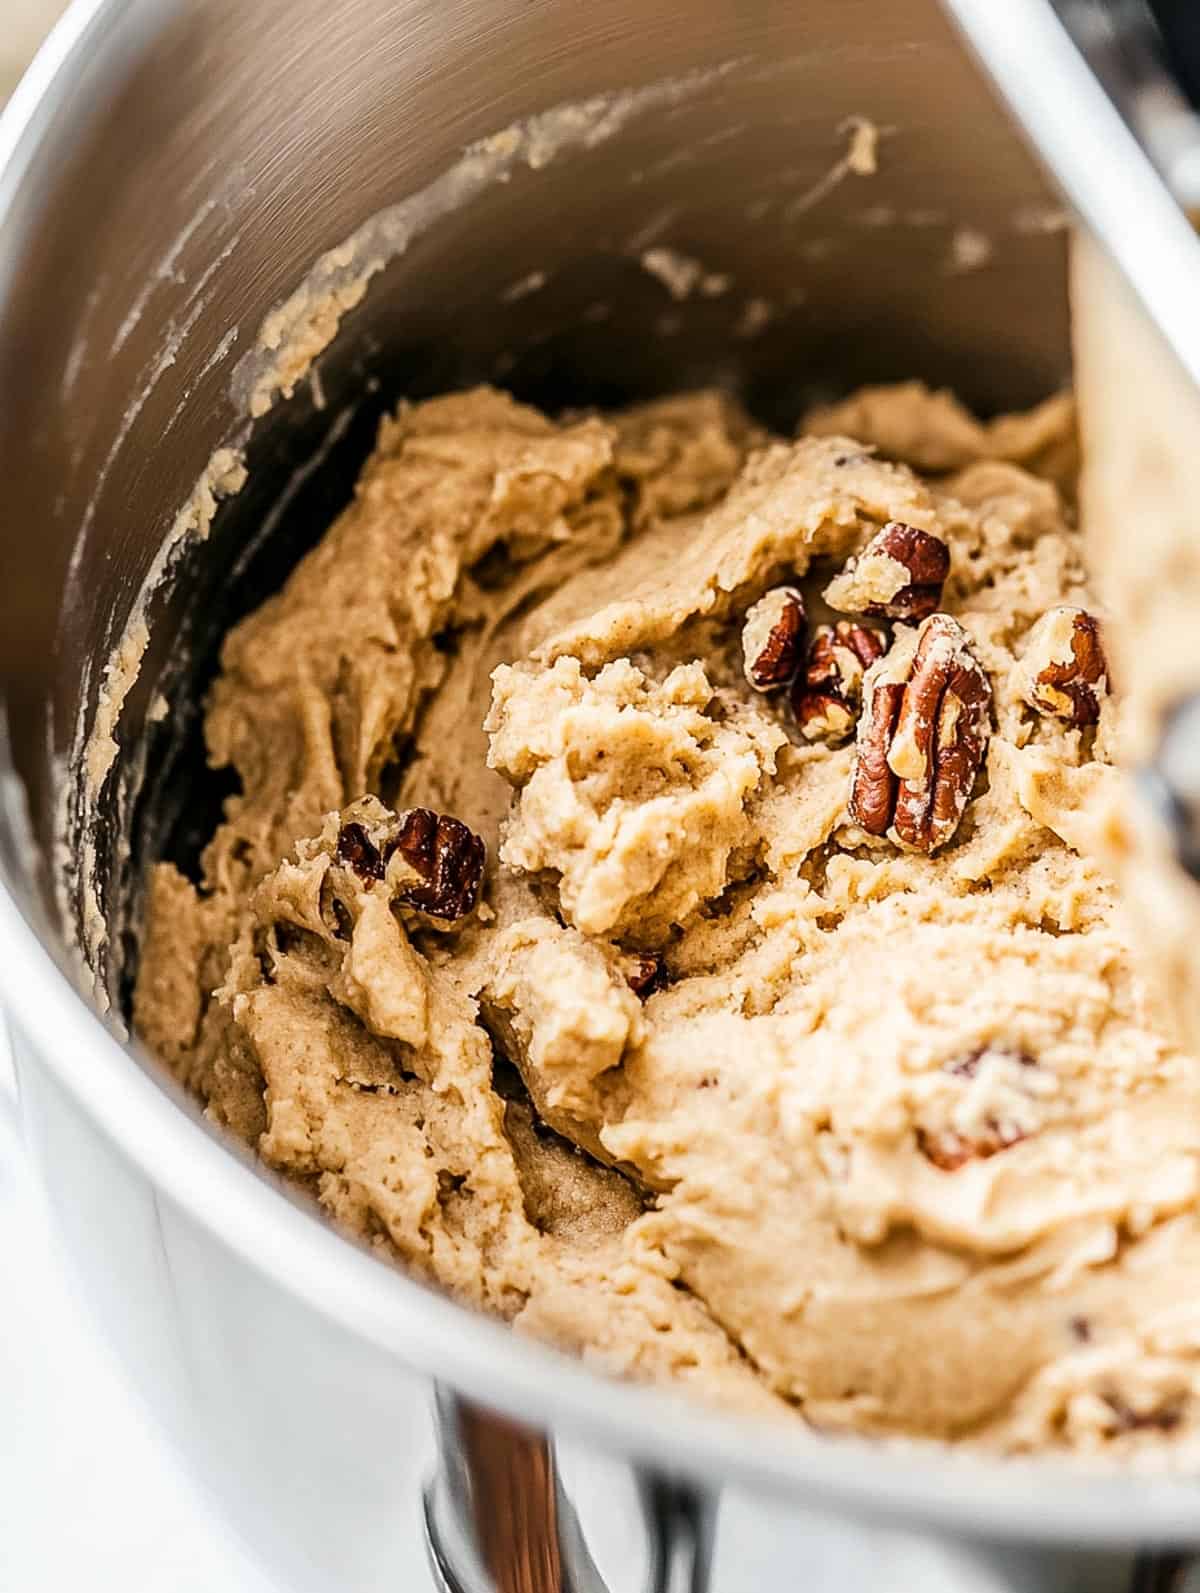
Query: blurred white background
92 1499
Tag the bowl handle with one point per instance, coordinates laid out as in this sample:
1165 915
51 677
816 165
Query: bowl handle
499 1519
503 1515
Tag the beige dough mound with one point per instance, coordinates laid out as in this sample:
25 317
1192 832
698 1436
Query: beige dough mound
765 1025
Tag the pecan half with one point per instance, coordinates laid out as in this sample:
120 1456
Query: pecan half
444 861
1064 671
828 694
773 638
921 737
899 575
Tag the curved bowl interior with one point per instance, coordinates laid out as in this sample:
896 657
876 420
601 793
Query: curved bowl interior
172 171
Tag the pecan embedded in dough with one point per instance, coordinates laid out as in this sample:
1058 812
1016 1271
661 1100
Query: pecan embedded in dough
773 638
921 737
1064 671
644 975
445 861
827 696
446 856
950 1148
898 575
949 1151
358 851
1163 1417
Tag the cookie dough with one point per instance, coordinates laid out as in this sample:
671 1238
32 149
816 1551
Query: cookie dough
850 1111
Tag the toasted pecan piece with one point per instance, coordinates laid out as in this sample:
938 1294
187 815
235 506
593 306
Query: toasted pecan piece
1064 671
899 575
444 861
827 696
773 638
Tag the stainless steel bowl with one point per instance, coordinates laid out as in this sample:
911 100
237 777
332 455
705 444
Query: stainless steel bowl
168 173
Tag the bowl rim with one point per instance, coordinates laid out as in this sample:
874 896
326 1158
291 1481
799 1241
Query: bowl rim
141 1113
252 1215
1067 114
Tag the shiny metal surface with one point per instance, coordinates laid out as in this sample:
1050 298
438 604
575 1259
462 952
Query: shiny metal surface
1114 131
167 175
1128 55
1094 75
